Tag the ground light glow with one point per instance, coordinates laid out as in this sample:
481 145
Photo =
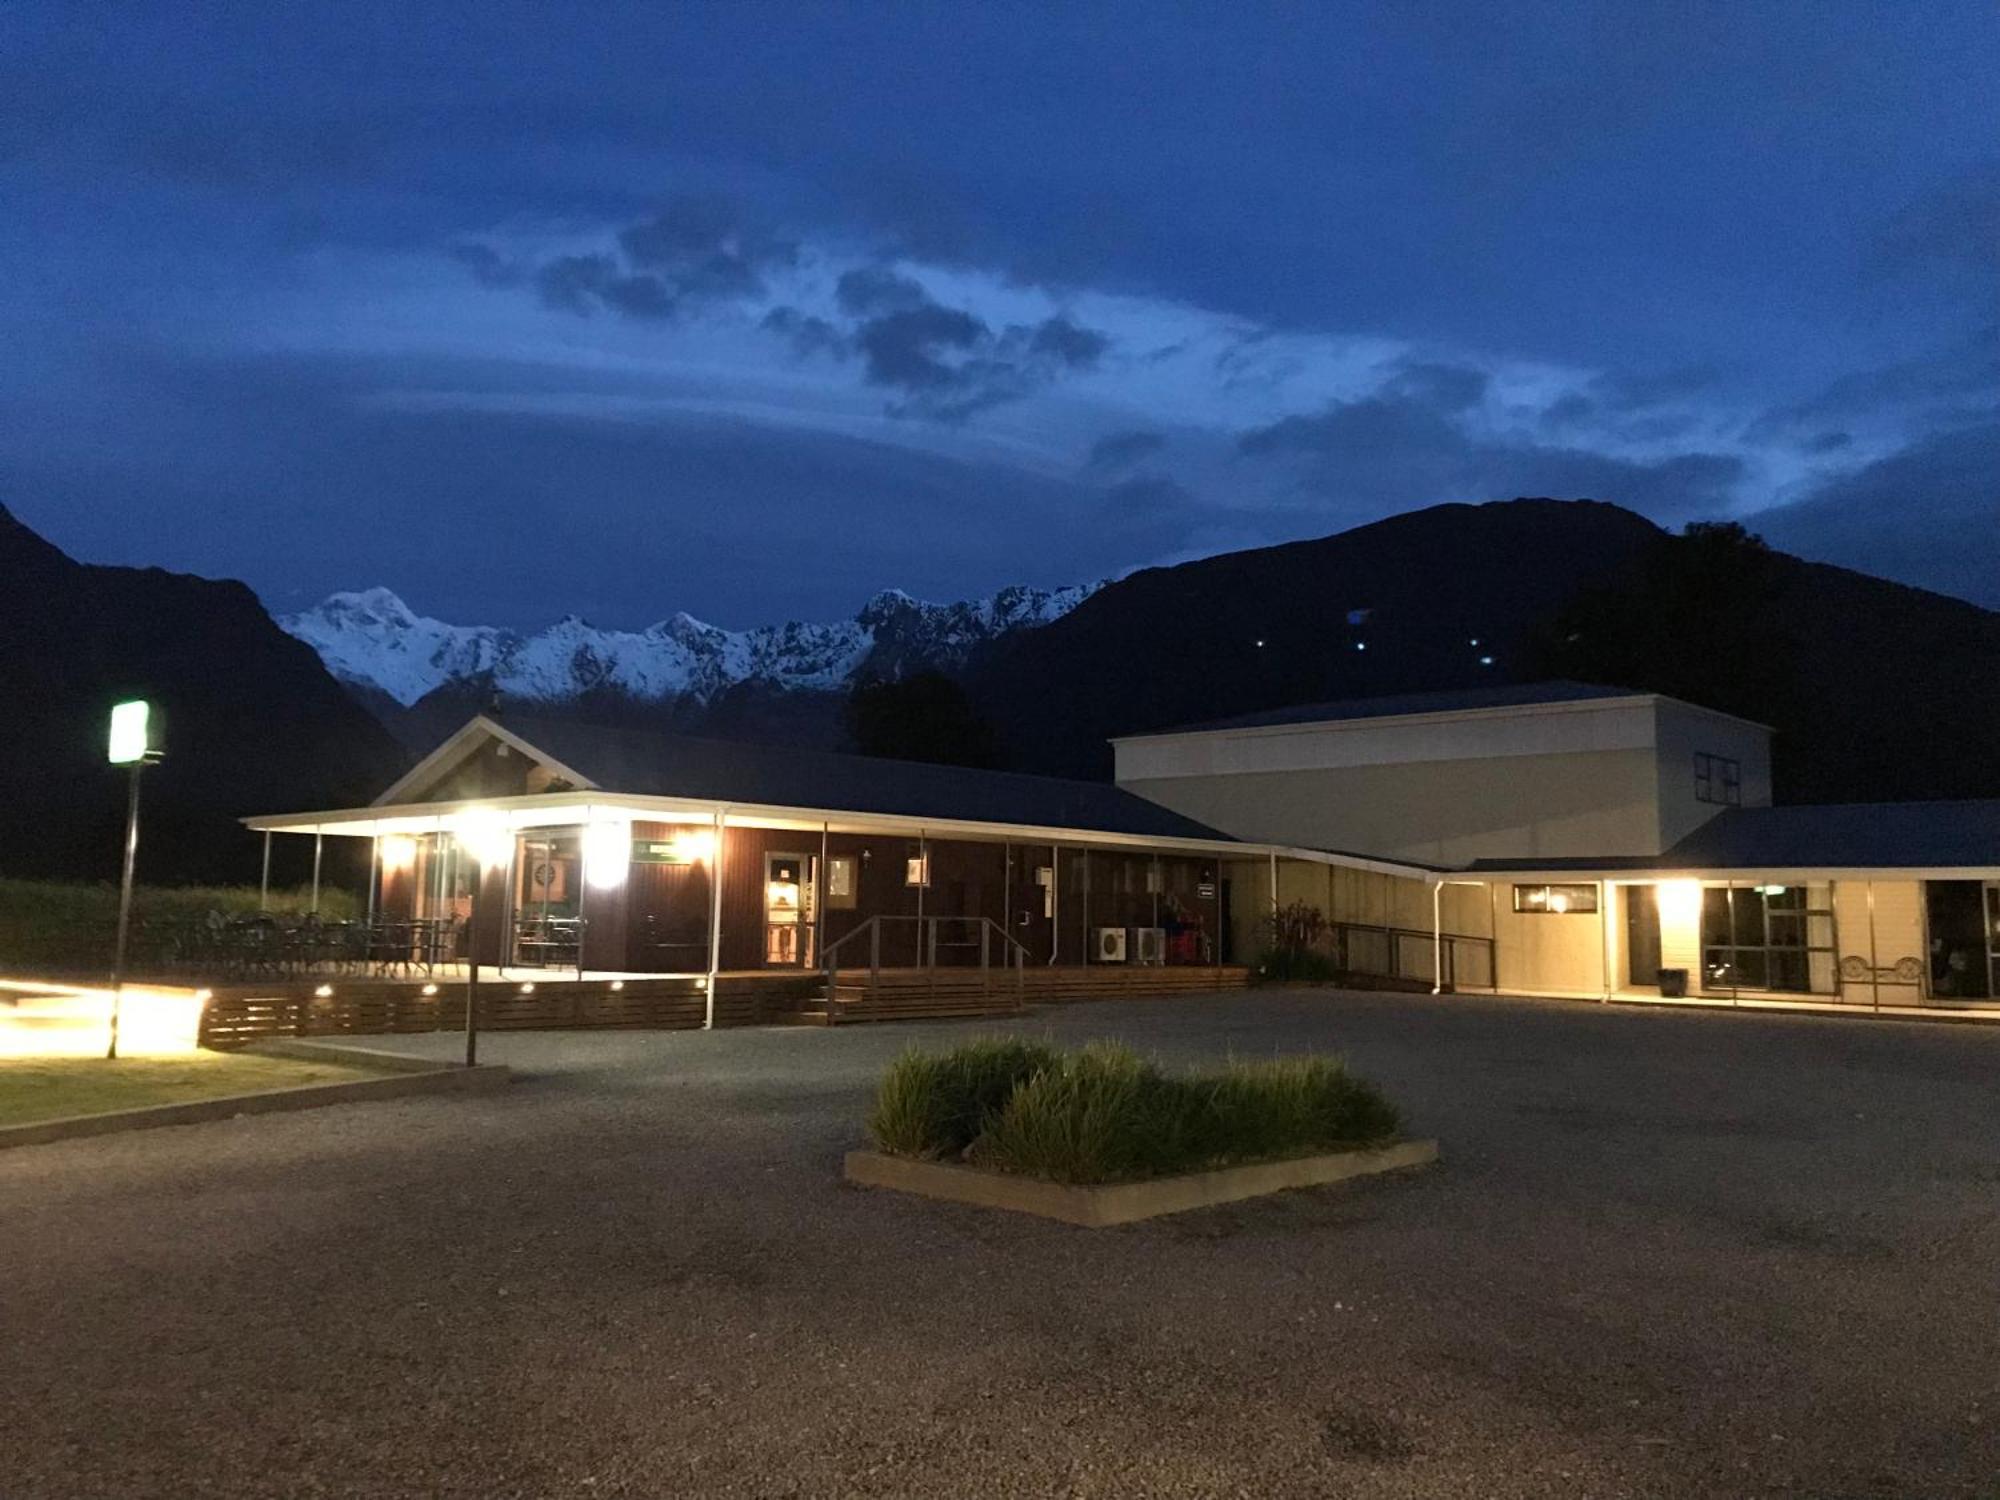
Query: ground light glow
39 1019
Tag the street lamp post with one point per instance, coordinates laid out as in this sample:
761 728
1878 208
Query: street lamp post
134 744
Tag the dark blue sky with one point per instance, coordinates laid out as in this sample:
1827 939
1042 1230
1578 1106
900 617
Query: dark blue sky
752 309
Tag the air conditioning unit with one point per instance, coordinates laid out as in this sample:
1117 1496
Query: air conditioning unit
1152 945
1111 945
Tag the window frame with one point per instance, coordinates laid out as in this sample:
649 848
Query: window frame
1582 899
1718 779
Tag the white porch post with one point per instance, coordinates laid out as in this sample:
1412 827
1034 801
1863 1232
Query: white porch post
374 873
714 917
319 846
1604 934
264 889
1437 937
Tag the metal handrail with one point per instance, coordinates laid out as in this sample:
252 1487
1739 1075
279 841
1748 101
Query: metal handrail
1014 953
1341 932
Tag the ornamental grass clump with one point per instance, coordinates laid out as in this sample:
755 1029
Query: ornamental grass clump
1104 1114
935 1104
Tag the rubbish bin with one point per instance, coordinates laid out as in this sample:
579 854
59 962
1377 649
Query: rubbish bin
1673 984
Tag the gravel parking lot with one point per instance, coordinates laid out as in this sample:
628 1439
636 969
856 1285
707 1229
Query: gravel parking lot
1667 1254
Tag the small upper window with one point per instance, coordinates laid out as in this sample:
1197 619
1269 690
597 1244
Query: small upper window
840 890
1555 900
917 870
1718 779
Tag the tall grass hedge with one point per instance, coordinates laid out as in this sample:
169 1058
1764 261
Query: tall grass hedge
49 927
1104 1114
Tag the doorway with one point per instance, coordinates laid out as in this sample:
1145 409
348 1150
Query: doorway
1642 936
790 909
1963 920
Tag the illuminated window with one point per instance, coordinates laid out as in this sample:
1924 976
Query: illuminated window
840 882
917 870
1718 779
1555 900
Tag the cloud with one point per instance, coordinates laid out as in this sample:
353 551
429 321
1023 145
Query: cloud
1392 452
1116 450
1441 386
1954 227
1928 514
692 251
487 265
877 289
949 363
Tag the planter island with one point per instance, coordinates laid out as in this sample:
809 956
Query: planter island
1100 1137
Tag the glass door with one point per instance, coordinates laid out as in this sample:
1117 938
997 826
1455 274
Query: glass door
790 909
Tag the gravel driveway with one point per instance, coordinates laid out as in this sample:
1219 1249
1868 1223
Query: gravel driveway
1668 1254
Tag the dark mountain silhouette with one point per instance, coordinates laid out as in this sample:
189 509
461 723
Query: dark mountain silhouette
1878 691
253 722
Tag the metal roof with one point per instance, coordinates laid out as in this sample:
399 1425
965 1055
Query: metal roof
647 763
1828 836
1458 700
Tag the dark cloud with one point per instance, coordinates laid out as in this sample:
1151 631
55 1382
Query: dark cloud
1955 227
1389 453
1936 388
1152 513
868 290
1067 343
1928 515
908 349
486 264
1116 450
806 333
1627 391
693 250
1451 388
575 283
950 364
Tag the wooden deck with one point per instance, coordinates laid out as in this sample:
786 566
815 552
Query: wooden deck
236 1015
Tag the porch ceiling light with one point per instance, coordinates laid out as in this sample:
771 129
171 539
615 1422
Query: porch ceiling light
399 852
483 833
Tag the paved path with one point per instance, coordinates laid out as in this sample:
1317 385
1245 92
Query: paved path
1669 1254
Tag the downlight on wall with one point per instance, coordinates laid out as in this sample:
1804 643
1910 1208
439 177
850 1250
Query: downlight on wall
1679 902
607 854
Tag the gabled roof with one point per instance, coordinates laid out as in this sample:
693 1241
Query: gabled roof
644 763
1831 836
1456 700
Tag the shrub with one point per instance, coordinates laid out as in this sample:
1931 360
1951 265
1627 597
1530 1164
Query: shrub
48 926
1294 936
1104 1114
1297 966
936 1104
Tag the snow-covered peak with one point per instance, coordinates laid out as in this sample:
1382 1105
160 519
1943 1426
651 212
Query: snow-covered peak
371 638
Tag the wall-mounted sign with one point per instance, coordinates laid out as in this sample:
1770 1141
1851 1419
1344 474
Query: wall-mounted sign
1205 891
661 852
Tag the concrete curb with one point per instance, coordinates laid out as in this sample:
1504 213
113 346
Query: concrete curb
397 1085
1126 1202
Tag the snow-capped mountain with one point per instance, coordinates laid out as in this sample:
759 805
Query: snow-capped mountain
373 640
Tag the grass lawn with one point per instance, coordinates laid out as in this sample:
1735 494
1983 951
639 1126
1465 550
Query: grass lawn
53 1088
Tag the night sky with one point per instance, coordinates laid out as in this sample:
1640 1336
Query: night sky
753 309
